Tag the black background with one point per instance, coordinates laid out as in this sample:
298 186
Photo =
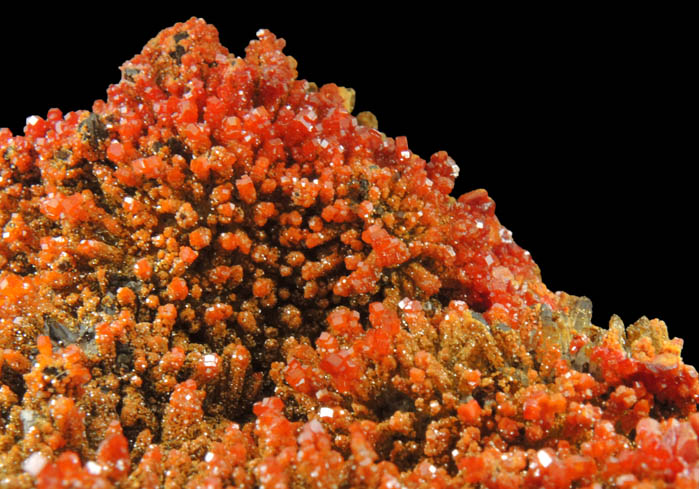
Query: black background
577 123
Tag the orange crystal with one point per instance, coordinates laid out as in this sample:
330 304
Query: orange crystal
220 277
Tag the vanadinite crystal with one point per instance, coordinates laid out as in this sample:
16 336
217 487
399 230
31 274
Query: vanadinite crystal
220 277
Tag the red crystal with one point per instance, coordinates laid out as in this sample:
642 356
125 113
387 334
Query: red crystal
219 277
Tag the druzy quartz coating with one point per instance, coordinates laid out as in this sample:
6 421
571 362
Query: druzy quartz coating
220 277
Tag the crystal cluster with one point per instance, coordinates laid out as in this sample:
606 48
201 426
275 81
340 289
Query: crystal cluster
220 277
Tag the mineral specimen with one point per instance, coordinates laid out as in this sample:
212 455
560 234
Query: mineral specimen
219 277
